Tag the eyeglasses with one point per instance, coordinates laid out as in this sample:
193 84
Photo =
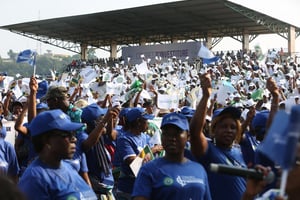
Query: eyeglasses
65 134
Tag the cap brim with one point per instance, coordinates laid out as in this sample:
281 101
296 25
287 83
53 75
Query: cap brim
69 126
232 111
148 116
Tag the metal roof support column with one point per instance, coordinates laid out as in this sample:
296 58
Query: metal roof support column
246 41
208 41
174 40
113 50
142 41
83 53
291 41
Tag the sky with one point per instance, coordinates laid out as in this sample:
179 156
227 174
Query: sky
16 11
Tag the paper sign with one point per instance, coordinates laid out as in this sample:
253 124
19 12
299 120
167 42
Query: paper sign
114 88
138 161
11 133
107 77
165 101
142 68
88 74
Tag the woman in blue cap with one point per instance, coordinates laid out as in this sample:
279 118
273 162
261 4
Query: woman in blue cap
49 176
172 176
226 129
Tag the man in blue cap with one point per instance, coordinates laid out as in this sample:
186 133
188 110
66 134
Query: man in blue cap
93 143
129 145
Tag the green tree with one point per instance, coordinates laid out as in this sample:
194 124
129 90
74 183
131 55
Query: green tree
12 55
91 53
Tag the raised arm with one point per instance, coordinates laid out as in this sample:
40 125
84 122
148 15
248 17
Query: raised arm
19 121
6 103
198 139
33 85
274 90
248 120
99 129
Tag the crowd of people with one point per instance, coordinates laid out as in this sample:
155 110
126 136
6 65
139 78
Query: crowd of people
79 139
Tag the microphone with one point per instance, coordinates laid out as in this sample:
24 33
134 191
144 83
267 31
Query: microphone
243 172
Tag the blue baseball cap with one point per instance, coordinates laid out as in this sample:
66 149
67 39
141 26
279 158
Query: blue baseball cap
176 119
260 121
229 110
91 113
123 112
136 113
42 106
42 89
52 120
187 111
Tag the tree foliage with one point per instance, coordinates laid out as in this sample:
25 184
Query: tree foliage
43 64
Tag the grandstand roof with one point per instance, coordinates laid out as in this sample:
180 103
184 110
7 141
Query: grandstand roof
180 20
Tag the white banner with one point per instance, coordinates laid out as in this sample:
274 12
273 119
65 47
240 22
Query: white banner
165 101
162 52
114 88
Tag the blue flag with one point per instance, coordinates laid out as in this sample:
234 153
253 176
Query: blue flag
281 141
27 56
210 60
206 55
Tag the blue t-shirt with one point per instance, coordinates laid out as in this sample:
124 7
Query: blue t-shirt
161 179
117 160
221 185
248 147
129 145
42 182
8 159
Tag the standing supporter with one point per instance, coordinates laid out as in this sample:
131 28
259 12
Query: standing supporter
23 144
121 128
93 144
129 145
49 176
8 160
261 129
225 129
12 108
57 98
177 177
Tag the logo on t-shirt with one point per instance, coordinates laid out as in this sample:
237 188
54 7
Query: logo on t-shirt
168 181
184 180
